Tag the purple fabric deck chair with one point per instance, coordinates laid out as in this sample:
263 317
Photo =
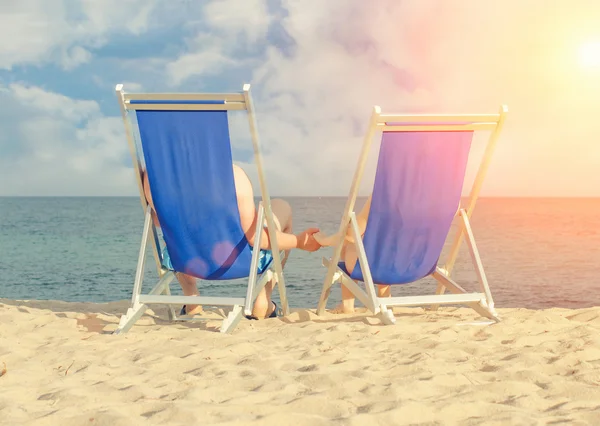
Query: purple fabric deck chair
416 196
185 144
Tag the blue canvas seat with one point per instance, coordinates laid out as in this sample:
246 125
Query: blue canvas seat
185 146
415 198
189 165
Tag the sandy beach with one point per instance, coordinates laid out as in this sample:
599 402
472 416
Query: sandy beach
62 366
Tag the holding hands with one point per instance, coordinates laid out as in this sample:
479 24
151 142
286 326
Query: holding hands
307 241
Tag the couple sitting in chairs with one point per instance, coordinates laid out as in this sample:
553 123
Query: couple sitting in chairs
213 230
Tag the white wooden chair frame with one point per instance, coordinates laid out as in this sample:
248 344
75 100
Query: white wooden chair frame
482 302
160 293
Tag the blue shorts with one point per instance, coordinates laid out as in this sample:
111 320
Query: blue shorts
166 259
265 257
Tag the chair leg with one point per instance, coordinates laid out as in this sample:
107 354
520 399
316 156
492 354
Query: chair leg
325 293
386 315
481 308
327 286
485 311
133 314
476 259
233 319
172 315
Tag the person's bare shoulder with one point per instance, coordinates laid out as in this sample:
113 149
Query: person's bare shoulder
245 197
243 186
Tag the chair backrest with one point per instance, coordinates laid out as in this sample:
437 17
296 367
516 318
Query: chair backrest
417 191
190 171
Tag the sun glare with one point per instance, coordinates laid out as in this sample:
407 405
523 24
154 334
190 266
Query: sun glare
589 55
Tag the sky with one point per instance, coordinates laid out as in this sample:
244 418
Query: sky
317 68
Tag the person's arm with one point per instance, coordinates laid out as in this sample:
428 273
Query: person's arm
285 241
361 220
249 216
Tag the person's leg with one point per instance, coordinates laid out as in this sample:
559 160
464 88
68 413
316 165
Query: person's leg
282 213
189 288
350 257
187 283
384 290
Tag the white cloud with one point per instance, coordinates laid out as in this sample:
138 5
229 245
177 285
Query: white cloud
231 26
314 88
103 16
74 57
66 146
205 61
36 32
314 99
249 18
132 87
38 100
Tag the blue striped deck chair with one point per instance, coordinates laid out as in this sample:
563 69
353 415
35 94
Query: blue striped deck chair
416 196
184 142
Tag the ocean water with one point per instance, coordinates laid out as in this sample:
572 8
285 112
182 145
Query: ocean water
537 253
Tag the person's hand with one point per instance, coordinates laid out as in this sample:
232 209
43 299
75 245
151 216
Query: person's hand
320 238
326 241
306 240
